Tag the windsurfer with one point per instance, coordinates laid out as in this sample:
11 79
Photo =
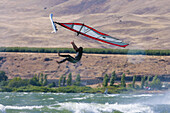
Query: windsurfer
71 59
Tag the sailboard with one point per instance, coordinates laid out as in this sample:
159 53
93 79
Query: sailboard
52 23
92 33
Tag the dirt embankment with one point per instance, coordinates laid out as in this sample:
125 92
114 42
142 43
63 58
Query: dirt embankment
92 66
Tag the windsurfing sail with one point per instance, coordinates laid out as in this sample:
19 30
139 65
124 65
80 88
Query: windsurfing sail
92 33
106 91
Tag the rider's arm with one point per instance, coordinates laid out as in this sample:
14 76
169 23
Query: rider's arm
74 46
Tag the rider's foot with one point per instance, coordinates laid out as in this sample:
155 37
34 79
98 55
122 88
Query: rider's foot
57 62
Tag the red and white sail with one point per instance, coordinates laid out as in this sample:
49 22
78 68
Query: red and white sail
92 33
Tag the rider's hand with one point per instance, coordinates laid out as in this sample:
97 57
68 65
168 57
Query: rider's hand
72 42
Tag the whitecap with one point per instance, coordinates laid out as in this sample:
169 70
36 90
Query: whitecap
25 93
59 93
111 95
80 98
23 107
85 97
90 96
50 98
98 108
2 108
6 97
141 95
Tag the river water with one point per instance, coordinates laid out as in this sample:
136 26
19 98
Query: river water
83 103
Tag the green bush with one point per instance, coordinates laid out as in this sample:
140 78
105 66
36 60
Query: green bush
17 82
123 84
3 76
52 85
34 81
117 112
156 83
31 88
6 89
4 83
137 86
75 89
105 80
121 90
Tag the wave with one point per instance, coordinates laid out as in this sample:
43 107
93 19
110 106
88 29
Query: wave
3 108
141 95
111 95
23 107
85 97
79 98
98 108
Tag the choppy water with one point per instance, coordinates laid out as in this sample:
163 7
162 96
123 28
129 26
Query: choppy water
83 103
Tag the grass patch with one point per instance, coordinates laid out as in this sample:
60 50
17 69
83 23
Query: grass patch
87 50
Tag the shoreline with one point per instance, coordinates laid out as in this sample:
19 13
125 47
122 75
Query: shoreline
82 89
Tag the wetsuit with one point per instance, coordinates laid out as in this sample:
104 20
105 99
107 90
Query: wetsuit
72 59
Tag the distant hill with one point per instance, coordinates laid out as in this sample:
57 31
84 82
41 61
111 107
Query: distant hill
141 23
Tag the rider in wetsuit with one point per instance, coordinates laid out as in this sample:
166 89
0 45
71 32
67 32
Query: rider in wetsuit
71 59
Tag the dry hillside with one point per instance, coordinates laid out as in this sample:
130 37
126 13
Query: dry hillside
141 23
26 65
